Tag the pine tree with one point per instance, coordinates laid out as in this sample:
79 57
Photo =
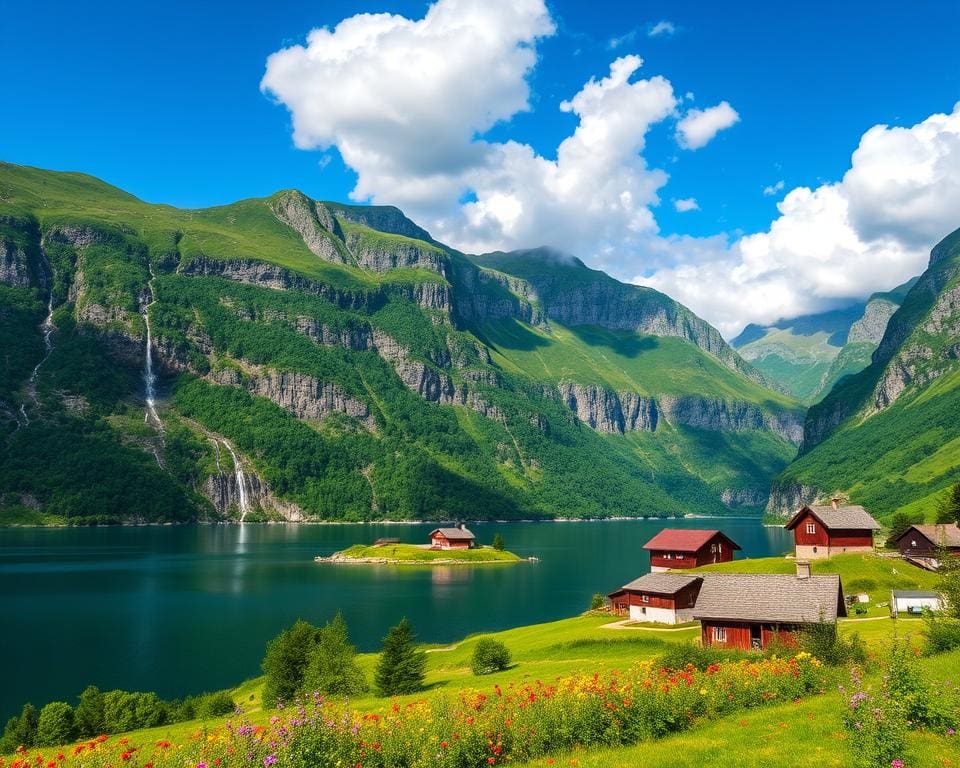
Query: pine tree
498 542
952 505
898 524
401 666
286 662
333 666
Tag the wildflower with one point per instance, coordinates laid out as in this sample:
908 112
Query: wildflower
951 731
896 763
269 760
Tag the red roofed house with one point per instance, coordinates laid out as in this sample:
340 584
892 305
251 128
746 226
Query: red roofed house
667 598
824 531
452 538
749 610
679 548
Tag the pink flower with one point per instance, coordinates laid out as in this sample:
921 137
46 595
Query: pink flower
896 764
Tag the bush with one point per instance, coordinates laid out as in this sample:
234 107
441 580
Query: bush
490 656
213 705
685 655
598 602
498 542
56 725
823 641
943 634
285 662
130 710
401 665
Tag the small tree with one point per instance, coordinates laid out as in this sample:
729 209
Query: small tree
498 542
20 731
598 602
332 668
949 509
489 656
56 725
898 525
286 660
89 713
401 665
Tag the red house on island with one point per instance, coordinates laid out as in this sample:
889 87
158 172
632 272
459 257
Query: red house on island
747 611
824 531
452 538
685 548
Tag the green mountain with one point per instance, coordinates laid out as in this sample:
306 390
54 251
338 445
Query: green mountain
889 435
312 360
806 356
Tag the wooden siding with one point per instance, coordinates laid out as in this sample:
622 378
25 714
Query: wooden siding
825 537
739 635
685 598
703 556
439 541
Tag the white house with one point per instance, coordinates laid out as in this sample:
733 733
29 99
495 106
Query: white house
665 598
913 602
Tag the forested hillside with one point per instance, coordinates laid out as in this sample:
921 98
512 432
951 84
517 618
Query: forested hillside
890 435
322 361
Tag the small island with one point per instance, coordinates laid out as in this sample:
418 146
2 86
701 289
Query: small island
448 546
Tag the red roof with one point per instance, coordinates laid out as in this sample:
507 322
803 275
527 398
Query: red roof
685 540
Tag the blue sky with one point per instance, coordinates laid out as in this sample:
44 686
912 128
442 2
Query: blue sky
164 100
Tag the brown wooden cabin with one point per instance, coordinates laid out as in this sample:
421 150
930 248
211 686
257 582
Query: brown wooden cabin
923 543
688 548
666 598
747 611
452 538
824 531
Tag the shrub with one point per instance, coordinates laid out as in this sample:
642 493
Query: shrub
598 602
498 542
942 633
130 710
332 668
877 725
684 655
285 662
56 724
401 665
214 705
823 641
490 656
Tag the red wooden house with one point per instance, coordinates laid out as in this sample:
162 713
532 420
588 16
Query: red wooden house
452 538
824 531
667 598
923 543
686 548
745 611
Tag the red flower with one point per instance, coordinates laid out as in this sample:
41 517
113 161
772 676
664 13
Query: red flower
491 760
444 744
126 754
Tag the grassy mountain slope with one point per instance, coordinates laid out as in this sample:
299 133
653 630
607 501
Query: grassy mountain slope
808 355
889 435
351 366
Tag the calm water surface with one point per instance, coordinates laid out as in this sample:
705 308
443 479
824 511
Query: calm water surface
184 609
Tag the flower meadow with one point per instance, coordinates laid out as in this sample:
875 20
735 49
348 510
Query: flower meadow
473 729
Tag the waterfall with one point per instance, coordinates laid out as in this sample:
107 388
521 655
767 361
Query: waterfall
149 377
241 482
48 328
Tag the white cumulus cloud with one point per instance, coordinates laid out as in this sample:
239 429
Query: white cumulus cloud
868 232
698 127
685 204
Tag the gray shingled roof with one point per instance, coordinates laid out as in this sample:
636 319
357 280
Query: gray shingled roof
454 533
661 583
940 535
771 597
853 516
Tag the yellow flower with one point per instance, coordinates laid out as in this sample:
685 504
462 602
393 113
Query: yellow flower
703 691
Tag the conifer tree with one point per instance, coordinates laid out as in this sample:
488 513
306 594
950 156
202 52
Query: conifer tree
332 668
401 666
498 542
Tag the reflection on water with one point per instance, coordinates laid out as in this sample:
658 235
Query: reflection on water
118 607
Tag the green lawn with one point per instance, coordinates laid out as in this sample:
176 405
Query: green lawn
414 553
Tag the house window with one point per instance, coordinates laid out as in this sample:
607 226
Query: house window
668 556
720 634
913 542
811 528
713 548
679 556
646 598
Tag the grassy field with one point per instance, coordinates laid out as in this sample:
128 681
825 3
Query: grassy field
414 553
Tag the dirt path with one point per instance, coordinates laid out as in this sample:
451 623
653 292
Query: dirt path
622 624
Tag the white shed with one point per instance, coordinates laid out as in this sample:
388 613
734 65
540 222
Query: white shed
913 602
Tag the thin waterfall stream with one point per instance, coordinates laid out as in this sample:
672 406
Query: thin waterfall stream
149 377
48 328
241 482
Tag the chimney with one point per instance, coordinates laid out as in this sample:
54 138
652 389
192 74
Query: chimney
835 501
803 569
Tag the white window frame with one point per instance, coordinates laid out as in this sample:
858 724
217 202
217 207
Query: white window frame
720 634
811 527
667 556
645 598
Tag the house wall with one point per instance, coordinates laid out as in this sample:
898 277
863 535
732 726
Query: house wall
819 538
851 539
703 556
706 555
739 635
442 542
903 604
912 544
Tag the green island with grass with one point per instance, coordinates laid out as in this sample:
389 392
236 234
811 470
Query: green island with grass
417 554
583 691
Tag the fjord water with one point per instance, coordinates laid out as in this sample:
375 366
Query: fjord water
183 609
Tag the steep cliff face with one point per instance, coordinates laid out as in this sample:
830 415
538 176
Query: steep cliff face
884 434
873 324
14 265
